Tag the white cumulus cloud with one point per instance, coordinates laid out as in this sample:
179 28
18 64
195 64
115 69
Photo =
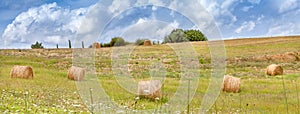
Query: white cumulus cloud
48 23
284 29
153 30
247 8
52 24
246 26
288 5
143 28
254 1
118 6
221 10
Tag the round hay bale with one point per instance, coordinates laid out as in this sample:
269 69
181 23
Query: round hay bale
76 73
147 43
273 70
96 45
149 89
231 84
25 72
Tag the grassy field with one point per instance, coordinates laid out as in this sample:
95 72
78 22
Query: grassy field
51 92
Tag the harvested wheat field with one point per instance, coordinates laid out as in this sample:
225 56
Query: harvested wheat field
50 91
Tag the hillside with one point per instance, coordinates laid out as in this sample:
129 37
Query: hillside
50 90
282 50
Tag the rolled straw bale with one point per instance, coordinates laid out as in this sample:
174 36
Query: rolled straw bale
21 72
76 73
150 89
147 43
273 70
231 84
96 45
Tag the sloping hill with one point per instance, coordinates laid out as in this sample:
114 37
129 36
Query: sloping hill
50 91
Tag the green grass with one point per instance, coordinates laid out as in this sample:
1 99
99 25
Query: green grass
51 92
48 92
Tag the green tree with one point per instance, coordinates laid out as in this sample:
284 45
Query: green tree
105 44
37 45
140 41
176 36
117 41
195 35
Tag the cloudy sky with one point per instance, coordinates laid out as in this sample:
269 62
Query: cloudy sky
57 21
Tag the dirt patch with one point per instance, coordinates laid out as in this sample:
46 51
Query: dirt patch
286 57
61 65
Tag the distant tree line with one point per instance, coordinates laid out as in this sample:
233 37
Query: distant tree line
176 36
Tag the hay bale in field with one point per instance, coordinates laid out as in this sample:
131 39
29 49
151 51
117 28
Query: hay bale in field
147 43
149 89
231 84
25 72
76 73
273 70
96 45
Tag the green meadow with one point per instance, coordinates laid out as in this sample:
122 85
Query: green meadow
50 91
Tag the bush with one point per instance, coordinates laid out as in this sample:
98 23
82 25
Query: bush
176 36
105 45
37 45
179 35
195 35
117 41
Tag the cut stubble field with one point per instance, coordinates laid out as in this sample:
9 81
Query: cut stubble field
50 91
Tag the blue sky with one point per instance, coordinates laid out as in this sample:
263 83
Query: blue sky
56 21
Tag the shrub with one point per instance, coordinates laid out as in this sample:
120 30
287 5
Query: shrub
105 45
117 41
179 35
176 36
195 35
37 45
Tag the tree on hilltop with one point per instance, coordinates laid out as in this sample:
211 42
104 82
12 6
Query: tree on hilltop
37 45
